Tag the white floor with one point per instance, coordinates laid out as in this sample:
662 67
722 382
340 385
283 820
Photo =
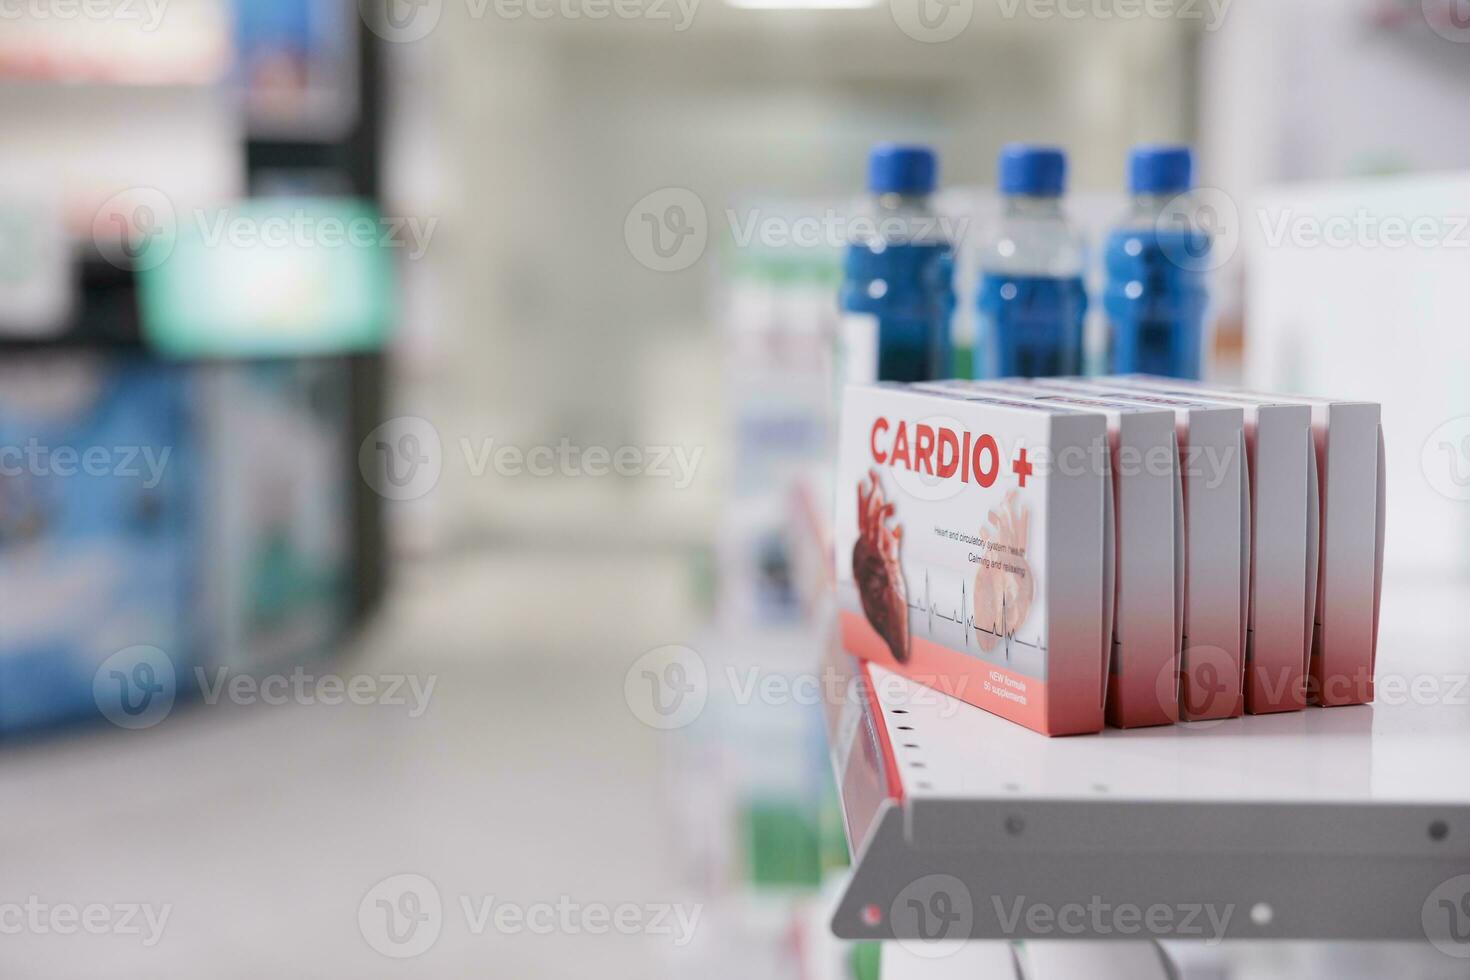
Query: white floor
263 828
528 781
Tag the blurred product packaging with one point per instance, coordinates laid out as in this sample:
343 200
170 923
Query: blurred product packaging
99 517
196 512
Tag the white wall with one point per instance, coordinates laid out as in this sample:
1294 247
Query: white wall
555 130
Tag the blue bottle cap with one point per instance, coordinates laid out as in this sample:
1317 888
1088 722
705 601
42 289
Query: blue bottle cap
1160 169
895 168
1035 171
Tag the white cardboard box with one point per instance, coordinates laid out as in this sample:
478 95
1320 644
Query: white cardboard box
974 550
1148 622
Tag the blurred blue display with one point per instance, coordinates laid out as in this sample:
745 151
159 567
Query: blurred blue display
97 519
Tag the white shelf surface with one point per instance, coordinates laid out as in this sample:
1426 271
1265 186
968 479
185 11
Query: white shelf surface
1383 753
1335 823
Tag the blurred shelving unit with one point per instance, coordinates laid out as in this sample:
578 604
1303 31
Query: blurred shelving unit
259 368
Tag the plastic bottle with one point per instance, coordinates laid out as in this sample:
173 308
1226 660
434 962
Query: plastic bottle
1032 300
897 294
1155 260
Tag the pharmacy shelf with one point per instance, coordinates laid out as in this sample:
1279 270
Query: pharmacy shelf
1324 824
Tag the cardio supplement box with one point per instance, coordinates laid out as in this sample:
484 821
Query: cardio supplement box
1285 522
1148 620
974 550
1348 439
1217 536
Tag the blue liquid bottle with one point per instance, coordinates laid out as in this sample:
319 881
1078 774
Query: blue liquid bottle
1032 300
1156 262
897 294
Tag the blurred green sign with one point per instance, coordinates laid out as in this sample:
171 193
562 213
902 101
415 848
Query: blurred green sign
273 277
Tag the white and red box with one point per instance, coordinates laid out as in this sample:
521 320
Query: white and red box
1217 534
1348 440
975 551
1284 531
1148 620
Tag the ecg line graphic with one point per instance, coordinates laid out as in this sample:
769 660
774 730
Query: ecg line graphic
966 620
